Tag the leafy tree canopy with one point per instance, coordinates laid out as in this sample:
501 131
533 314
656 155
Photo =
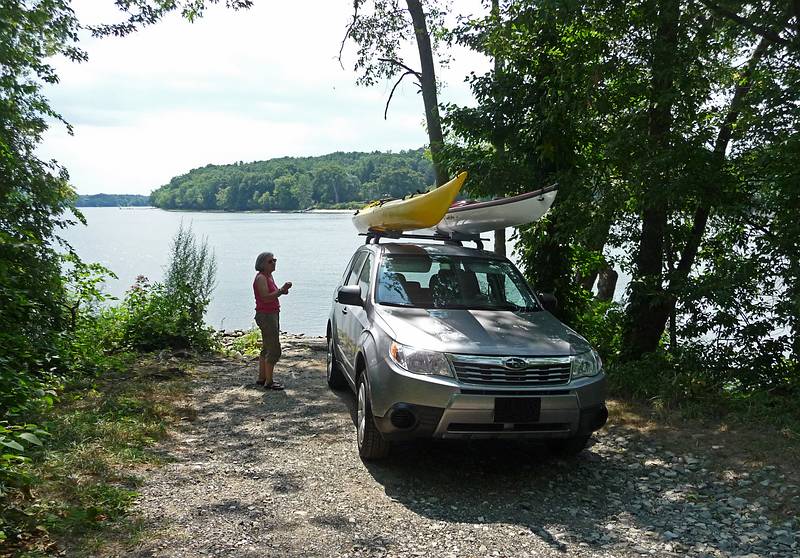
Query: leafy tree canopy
112 200
672 129
292 183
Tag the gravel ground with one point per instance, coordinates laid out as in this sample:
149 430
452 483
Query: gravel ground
277 474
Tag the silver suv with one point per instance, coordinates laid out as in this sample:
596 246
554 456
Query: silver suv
444 341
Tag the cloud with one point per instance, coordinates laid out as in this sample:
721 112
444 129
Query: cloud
233 86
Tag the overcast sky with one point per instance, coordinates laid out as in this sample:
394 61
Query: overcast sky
233 86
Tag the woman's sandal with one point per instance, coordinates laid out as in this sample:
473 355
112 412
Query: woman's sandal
260 382
274 386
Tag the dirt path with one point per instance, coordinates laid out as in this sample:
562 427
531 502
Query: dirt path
277 474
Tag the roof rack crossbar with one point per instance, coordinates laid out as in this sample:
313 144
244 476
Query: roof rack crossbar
451 238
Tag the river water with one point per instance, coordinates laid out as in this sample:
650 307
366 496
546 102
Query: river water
312 251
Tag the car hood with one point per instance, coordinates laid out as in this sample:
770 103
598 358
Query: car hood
486 332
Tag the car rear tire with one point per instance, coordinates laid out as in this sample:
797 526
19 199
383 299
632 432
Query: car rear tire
568 446
333 371
371 444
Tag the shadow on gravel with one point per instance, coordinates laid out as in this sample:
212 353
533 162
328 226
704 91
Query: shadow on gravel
619 496
602 501
488 481
481 481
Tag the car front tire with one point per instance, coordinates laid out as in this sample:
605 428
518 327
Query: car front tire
371 444
568 446
333 371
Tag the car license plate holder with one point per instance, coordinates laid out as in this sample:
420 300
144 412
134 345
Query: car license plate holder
517 409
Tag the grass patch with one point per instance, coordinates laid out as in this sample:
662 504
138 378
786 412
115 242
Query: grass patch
83 481
247 344
776 413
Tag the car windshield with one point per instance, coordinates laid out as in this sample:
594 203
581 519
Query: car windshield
452 282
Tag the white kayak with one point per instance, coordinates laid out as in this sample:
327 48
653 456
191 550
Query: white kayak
478 217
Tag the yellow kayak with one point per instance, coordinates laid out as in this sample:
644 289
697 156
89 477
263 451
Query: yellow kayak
417 212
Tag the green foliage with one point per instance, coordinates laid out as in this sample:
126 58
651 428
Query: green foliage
170 314
16 443
142 13
80 479
289 183
381 29
249 343
112 200
667 126
34 198
52 331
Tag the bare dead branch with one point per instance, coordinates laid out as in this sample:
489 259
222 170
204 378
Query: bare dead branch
353 22
398 63
389 100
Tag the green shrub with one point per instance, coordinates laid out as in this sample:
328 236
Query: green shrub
249 343
154 317
170 314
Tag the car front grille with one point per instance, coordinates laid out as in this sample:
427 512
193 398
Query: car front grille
511 371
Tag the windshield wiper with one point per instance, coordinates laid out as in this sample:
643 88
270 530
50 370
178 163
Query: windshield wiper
514 308
454 307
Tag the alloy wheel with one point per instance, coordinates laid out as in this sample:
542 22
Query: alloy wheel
362 412
329 363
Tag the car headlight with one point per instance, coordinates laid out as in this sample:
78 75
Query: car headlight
586 364
420 361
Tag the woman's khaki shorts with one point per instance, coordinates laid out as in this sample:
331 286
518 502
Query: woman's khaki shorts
270 327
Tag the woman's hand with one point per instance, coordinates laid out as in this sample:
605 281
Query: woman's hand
286 287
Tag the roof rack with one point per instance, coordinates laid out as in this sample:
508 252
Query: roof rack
374 237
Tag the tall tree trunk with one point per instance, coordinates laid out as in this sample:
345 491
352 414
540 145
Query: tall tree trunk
793 292
607 283
498 141
428 83
659 313
596 242
500 242
642 332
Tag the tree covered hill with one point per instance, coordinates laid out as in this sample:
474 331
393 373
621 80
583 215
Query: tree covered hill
289 183
112 200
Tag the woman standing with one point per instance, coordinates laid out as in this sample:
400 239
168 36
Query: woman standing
268 318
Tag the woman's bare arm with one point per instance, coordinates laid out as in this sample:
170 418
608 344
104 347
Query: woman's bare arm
263 289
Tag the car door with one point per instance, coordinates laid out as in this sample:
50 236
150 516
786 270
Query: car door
355 320
341 314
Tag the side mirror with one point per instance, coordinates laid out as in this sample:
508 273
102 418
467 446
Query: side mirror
350 295
549 301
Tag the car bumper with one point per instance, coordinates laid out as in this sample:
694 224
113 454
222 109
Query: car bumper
408 406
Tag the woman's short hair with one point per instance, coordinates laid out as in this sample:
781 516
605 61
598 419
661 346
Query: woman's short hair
262 259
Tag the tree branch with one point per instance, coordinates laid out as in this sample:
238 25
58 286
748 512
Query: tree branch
703 209
398 63
767 34
356 4
389 100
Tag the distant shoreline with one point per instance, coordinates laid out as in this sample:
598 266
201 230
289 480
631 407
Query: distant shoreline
339 211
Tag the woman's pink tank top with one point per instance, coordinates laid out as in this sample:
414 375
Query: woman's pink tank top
266 306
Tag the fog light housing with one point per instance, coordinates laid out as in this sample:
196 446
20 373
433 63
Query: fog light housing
402 418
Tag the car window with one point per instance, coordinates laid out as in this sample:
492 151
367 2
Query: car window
347 269
363 279
512 293
352 278
440 281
